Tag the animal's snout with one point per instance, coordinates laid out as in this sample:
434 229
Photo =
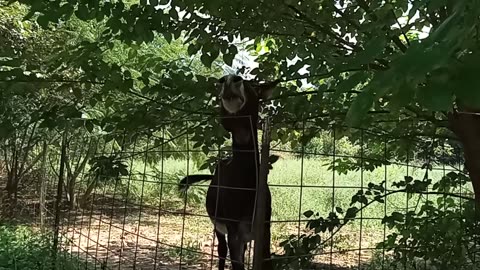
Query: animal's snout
229 94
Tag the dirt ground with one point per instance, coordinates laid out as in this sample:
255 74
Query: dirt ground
143 239
111 234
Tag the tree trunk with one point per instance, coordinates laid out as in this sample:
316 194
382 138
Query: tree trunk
86 196
466 125
74 173
43 187
71 193
9 188
10 201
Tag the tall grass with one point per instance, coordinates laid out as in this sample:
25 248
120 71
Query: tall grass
297 185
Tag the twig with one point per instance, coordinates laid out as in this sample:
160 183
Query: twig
320 75
167 105
400 26
395 39
320 27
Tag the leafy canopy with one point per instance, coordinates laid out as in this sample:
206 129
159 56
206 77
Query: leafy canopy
395 65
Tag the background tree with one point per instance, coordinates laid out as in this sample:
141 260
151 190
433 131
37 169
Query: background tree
357 56
403 70
47 87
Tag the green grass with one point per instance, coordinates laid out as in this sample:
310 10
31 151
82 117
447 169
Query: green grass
322 189
23 248
190 252
294 190
297 186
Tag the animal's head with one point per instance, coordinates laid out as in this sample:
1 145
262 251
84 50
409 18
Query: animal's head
239 105
237 95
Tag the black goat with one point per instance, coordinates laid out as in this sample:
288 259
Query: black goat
231 195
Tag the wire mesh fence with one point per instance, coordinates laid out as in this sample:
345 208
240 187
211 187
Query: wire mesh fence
114 204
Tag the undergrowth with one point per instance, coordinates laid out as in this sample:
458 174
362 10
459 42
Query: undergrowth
23 248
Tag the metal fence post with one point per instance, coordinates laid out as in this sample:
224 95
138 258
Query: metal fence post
58 199
259 223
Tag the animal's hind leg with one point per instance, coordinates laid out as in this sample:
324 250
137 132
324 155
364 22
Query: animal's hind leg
237 248
222 249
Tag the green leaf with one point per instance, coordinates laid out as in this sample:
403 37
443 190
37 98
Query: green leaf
228 58
359 108
448 25
436 4
415 7
436 97
132 53
401 97
123 171
398 216
373 47
77 92
82 12
193 48
89 126
350 83
467 81
308 213
204 166
273 158
206 60
351 213
168 37
43 21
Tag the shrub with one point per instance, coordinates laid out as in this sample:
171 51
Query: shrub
23 248
324 144
440 232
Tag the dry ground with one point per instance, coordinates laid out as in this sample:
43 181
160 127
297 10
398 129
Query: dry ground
112 234
143 239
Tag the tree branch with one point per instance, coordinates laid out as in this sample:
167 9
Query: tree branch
400 26
28 147
102 83
395 39
295 94
168 105
323 29
320 75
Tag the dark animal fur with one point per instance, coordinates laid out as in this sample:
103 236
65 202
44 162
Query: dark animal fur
232 204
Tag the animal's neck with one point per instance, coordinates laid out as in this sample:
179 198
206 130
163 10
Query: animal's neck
247 151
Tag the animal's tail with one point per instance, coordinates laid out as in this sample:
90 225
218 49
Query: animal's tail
189 180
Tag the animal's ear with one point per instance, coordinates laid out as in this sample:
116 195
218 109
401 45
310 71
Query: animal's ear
265 90
219 82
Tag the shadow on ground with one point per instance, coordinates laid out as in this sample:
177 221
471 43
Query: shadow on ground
114 233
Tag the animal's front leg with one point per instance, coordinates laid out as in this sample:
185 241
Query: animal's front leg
222 249
237 248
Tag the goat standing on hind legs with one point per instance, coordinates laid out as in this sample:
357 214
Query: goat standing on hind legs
231 195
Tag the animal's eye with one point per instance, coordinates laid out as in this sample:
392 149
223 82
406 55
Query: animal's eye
237 79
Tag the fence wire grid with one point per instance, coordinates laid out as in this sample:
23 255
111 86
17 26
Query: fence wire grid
115 204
